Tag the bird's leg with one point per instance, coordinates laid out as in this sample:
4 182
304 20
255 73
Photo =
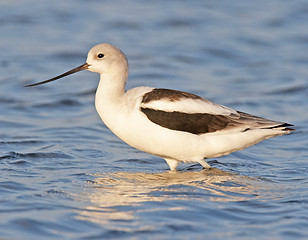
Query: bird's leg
172 163
204 164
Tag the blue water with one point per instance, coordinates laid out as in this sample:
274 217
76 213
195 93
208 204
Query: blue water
64 175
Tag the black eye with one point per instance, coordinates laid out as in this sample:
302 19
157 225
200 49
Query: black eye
100 55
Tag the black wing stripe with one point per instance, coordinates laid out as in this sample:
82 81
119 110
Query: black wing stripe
200 123
171 95
196 123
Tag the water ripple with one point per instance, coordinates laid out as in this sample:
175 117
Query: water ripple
59 104
64 175
36 155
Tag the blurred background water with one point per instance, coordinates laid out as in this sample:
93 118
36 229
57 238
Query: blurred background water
64 175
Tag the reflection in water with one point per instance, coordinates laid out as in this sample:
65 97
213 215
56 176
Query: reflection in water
114 196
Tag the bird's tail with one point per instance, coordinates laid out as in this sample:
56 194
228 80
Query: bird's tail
283 127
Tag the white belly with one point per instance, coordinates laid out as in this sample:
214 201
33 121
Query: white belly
138 131
125 119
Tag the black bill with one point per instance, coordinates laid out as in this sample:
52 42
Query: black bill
77 69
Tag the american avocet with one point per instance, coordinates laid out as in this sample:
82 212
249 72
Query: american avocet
175 125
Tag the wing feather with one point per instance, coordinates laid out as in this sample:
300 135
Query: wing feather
172 100
187 112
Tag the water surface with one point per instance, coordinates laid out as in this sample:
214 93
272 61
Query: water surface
64 175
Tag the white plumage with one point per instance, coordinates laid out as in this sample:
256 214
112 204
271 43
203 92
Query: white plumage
178 126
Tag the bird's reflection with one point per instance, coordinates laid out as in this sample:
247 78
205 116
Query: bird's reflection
115 196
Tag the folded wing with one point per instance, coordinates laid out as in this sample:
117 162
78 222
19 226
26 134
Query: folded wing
187 112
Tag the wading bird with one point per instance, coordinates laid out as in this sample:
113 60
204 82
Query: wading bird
175 125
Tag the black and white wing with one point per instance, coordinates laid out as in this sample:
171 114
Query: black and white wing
187 112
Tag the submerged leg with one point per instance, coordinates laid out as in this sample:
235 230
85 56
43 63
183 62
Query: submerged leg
172 163
204 164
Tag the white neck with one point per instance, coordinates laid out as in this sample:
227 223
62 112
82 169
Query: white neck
111 89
